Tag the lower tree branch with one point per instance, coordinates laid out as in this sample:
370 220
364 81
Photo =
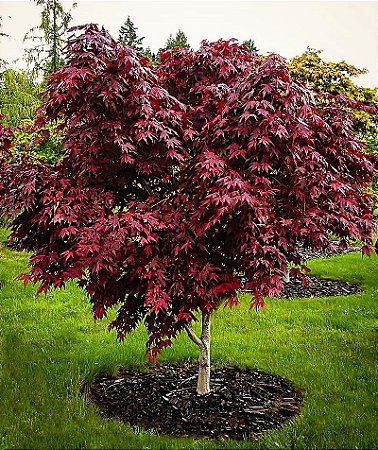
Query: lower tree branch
192 335
146 186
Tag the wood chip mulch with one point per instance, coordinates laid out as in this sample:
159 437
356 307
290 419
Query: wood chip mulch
319 288
243 403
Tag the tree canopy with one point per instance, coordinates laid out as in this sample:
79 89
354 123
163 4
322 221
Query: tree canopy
180 181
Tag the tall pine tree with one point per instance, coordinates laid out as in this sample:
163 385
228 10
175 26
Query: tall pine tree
179 41
152 56
45 55
250 44
128 35
3 63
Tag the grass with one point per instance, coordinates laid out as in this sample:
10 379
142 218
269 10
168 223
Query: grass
50 346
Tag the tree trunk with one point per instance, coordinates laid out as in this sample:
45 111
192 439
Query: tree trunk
203 384
55 38
287 277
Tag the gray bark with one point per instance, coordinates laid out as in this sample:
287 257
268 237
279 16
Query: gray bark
287 277
203 383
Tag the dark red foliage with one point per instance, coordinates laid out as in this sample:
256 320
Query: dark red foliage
178 181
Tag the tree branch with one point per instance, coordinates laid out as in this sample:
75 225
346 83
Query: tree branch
193 335
146 186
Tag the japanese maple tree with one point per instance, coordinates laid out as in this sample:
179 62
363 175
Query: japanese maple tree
182 179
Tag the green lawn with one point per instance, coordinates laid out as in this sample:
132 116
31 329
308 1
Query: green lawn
50 346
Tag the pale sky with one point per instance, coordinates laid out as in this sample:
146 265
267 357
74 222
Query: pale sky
345 30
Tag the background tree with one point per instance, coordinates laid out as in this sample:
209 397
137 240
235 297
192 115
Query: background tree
338 79
19 96
3 63
152 56
2 34
177 182
250 44
48 39
179 41
128 35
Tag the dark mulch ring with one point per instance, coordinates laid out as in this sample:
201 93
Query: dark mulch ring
318 287
308 254
243 402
